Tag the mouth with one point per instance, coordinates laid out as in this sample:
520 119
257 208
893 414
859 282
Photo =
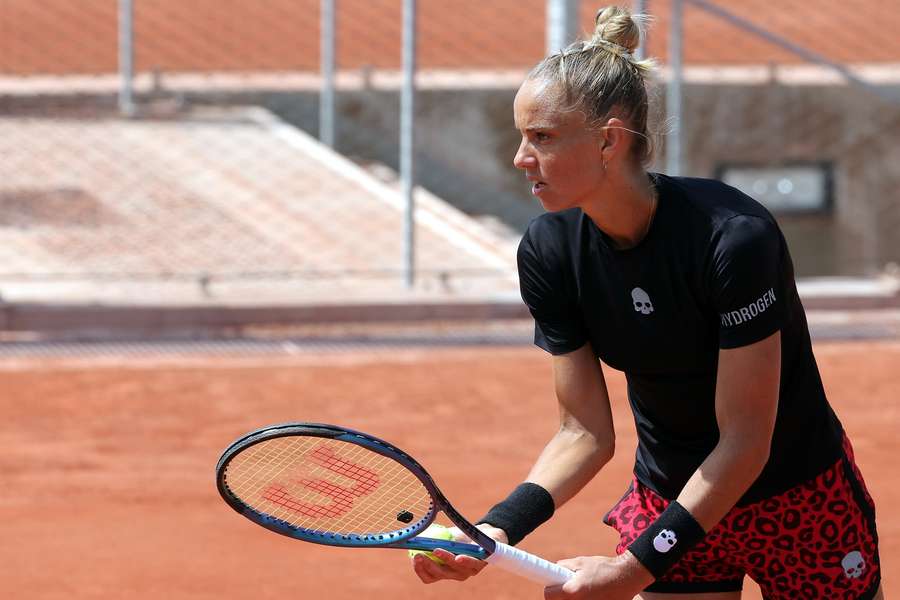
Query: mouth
537 186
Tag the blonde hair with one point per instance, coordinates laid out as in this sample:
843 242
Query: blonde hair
601 75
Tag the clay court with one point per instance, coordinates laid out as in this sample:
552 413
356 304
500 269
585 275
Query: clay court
109 464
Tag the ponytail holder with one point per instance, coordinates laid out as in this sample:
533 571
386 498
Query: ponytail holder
611 47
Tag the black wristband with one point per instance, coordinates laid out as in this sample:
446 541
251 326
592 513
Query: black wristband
522 512
667 539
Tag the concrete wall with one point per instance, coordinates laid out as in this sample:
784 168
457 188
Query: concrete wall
466 141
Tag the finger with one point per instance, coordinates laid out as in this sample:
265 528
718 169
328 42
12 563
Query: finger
460 563
553 592
422 569
448 570
572 586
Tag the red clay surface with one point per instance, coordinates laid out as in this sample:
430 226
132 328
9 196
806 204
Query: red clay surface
107 469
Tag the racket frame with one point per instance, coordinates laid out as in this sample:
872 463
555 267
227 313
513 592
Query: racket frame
404 538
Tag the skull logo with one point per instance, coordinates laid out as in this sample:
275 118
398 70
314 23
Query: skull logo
642 303
854 564
664 540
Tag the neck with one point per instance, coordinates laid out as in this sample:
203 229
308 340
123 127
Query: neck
624 209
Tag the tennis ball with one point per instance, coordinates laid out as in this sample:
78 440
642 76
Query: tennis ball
438 532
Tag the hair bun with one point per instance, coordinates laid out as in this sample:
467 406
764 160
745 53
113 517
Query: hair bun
615 25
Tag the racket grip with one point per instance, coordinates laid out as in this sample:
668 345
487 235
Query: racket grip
528 565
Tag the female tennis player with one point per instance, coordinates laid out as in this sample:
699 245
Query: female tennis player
686 285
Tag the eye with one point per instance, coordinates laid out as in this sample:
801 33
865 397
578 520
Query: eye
541 136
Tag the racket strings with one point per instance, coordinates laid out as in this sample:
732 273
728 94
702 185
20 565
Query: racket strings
328 486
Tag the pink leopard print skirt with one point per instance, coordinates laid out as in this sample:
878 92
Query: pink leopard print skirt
816 540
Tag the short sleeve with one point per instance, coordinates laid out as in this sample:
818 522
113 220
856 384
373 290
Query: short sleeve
558 324
748 278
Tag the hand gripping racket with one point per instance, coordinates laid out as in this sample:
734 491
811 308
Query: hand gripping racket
330 485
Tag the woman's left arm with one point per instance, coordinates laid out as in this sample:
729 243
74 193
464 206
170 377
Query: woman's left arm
746 405
747 389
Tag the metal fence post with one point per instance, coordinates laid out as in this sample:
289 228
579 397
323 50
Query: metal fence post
639 7
674 143
327 43
407 138
562 24
126 57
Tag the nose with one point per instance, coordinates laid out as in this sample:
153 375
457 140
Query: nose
524 159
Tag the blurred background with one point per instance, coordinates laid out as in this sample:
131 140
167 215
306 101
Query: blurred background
267 153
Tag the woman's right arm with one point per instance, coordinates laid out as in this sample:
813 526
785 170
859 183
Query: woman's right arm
584 442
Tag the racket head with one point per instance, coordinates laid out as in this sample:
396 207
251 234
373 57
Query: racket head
327 485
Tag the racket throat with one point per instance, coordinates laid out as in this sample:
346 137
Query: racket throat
430 544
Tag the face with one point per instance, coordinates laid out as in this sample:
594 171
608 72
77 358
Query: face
560 155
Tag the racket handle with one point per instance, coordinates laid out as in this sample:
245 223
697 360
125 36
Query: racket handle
528 565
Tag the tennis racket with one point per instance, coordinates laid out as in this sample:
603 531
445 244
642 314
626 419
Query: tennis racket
335 486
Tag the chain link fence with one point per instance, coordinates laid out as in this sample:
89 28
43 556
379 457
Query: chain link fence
209 183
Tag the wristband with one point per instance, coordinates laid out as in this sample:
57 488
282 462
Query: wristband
667 539
522 512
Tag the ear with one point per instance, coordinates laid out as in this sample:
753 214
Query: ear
612 138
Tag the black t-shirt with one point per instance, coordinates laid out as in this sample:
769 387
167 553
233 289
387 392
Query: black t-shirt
712 272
